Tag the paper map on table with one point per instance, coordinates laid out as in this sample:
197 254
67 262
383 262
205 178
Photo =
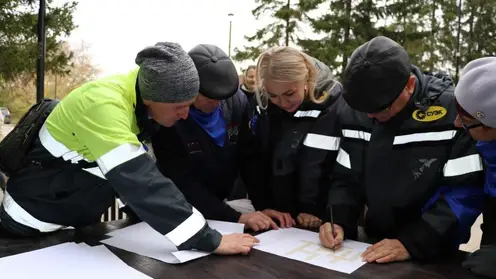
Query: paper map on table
68 260
304 246
143 240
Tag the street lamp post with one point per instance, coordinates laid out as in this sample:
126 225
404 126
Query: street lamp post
230 15
40 81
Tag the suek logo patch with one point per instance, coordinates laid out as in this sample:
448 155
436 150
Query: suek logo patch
323 97
432 114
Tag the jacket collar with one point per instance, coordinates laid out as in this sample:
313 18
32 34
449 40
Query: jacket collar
148 127
245 90
430 87
308 108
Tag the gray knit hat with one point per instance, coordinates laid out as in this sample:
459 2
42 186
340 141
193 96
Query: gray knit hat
476 90
167 74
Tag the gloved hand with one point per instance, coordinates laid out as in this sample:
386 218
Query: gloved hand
482 261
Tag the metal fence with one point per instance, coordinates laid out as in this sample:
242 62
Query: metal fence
113 213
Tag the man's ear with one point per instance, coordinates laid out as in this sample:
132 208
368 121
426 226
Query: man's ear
411 84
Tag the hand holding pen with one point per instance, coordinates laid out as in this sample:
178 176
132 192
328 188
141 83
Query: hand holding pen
331 235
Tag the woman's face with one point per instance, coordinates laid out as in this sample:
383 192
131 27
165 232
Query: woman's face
250 79
286 95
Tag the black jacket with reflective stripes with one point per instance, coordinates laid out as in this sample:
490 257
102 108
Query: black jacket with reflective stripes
204 172
420 177
288 161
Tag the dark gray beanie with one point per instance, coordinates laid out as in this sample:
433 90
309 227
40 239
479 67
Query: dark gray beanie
167 74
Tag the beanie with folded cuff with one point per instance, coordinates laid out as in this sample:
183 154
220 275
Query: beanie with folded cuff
167 74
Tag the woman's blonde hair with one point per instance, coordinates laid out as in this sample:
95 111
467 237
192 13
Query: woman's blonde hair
286 64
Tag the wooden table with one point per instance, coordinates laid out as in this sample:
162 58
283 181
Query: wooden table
257 265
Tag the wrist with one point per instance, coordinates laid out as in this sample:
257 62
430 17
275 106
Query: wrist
230 215
242 218
266 210
207 240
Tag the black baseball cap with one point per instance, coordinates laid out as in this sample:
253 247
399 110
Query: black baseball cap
218 76
376 74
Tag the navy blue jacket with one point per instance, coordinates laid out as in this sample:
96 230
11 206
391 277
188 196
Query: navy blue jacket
488 152
204 172
420 176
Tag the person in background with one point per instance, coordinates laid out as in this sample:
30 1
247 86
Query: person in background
475 96
90 149
248 87
200 153
295 140
401 155
249 80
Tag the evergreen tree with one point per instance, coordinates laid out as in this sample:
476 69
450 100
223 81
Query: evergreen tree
478 30
282 30
409 22
345 26
441 44
18 37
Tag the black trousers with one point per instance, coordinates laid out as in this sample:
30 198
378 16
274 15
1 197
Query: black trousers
56 192
62 196
10 228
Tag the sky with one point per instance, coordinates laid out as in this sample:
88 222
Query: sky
116 30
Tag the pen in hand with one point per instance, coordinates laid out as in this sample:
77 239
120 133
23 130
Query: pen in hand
332 223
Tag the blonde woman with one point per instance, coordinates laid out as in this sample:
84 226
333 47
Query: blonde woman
295 141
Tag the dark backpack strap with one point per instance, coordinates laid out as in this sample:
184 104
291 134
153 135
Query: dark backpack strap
16 145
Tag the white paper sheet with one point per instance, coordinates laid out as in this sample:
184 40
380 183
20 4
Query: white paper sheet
112 262
143 240
68 260
302 245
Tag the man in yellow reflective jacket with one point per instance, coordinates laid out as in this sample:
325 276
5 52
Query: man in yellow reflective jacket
90 149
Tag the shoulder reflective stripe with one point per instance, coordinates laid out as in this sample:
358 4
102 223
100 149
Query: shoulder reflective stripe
343 159
429 136
322 142
355 134
96 171
463 165
187 229
308 113
21 216
56 148
119 155
417 137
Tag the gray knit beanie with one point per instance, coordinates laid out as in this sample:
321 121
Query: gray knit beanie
167 74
